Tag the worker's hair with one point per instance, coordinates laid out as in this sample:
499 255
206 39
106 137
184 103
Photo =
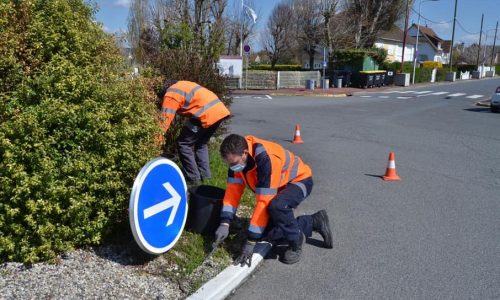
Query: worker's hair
233 144
163 90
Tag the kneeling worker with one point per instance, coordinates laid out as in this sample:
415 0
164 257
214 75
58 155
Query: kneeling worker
205 112
281 181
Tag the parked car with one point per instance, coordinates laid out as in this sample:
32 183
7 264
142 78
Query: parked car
495 101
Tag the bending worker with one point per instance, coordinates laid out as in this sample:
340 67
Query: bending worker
205 113
281 181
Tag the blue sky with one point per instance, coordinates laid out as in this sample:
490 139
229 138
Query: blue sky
113 14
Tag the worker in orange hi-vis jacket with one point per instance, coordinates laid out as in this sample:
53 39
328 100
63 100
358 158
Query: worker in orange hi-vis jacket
280 181
205 113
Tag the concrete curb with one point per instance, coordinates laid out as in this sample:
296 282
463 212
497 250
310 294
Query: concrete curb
231 277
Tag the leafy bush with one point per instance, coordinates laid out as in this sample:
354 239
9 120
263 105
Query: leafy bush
497 70
432 65
276 67
354 56
73 132
395 66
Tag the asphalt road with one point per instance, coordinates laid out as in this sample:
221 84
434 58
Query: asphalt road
433 235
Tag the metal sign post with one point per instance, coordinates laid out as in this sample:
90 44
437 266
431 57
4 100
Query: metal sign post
247 54
158 206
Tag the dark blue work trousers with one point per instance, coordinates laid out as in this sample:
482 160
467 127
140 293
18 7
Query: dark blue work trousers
282 223
193 149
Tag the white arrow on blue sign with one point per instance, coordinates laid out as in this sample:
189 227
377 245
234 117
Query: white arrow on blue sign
158 206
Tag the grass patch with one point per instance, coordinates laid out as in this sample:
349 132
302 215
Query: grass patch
190 252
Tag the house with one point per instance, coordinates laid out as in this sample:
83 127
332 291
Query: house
430 45
392 42
320 55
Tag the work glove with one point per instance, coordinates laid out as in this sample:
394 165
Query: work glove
221 233
246 254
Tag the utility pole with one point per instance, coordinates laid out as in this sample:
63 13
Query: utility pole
480 37
404 36
241 30
494 44
453 36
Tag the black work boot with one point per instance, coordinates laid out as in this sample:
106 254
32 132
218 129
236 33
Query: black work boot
321 225
294 251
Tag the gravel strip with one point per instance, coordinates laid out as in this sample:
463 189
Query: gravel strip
108 272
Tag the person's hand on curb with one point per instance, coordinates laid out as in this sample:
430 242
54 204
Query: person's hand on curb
246 254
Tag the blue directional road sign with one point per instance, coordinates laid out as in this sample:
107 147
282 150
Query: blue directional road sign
158 206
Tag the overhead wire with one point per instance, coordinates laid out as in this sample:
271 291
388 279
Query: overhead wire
450 21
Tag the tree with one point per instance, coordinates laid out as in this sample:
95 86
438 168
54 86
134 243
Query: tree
279 33
172 24
371 16
309 22
137 25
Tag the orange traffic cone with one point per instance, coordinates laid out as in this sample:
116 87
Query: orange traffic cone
296 138
390 173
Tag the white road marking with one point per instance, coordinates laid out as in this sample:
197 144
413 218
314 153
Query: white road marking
456 95
269 97
475 96
385 97
365 96
404 97
440 93
423 92
405 92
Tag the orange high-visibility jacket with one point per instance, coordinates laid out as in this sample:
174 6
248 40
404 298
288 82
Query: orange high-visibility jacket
190 99
270 168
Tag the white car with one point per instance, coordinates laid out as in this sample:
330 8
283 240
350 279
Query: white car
495 101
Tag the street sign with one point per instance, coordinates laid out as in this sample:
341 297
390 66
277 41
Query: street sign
246 48
158 206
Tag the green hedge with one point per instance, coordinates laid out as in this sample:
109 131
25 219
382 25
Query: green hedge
276 67
73 131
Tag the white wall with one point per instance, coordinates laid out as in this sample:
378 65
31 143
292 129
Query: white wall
230 66
395 50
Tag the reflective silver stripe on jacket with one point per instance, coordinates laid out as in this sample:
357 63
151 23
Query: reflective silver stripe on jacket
259 149
229 209
206 107
168 110
287 161
190 95
302 187
256 229
177 91
234 180
295 168
265 191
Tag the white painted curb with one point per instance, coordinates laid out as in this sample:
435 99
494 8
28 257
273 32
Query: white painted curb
223 284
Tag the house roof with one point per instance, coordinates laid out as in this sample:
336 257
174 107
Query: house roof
431 36
446 45
396 35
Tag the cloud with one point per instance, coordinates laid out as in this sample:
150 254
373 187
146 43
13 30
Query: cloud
122 3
